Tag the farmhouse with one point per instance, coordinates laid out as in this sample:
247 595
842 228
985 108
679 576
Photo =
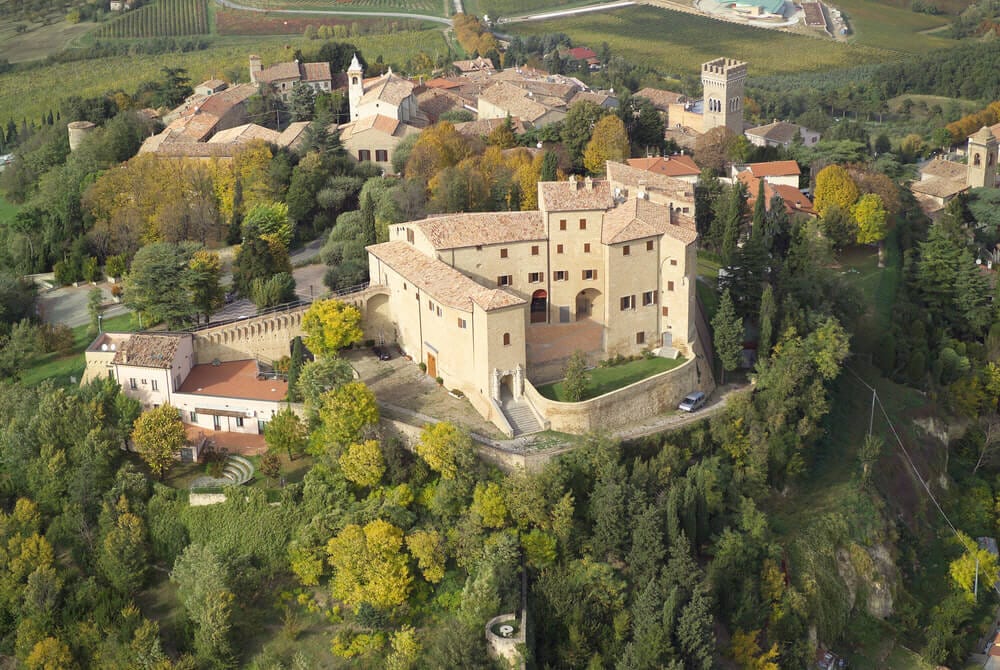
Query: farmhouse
785 173
795 201
282 77
489 300
941 180
781 134
680 166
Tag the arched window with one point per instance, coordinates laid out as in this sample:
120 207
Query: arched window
539 306
976 160
506 339
354 80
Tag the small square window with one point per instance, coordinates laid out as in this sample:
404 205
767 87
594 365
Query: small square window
670 286
239 421
534 250
503 253
534 277
590 274
559 248
506 339
649 245
666 312
560 275
640 338
626 250
505 280
381 156
144 382
673 261
648 298
586 248
479 247
461 323
627 302
583 224
562 224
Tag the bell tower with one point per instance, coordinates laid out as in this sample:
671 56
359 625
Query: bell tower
722 82
355 86
982 171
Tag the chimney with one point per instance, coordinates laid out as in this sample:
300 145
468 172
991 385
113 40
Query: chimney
588 183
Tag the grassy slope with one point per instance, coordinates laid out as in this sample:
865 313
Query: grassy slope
61 368
38 41
881 26
29 93
7 211
681 42
603 380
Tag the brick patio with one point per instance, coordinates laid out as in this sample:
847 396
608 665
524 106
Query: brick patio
243 444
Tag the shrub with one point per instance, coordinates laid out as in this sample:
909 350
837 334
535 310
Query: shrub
576 377
115 266
422 366
91 271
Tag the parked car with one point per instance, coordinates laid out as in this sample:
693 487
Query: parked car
382 353
692 402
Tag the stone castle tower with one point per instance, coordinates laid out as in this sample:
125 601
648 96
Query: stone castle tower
355 86
722 83
982 154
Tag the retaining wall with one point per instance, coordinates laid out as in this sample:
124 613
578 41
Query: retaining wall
643 399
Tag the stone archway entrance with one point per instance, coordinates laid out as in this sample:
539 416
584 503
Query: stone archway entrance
539 306
585 301
506 388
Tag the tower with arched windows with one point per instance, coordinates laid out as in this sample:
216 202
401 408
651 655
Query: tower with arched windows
983 148
722 82
355 86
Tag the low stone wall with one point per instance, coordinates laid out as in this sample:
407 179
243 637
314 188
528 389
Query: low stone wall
643 399
506 647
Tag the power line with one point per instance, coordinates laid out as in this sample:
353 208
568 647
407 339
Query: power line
913 466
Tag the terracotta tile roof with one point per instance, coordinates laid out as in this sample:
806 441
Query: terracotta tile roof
389 88
245 133
383 124
194 128
146 350
222 102
775 169
679 165
233 379
514 101
440 281
945 169
939 187
213 84
995 129
279 71
637 218
316 72
793 198
478 64
631 176
661 99
292 135
439 82
574 196
582 53
779 131
467 230
434 102
484 127
593 96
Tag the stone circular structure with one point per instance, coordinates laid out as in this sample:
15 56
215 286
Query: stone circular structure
78 130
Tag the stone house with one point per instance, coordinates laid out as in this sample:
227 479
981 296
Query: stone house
781 134
282 77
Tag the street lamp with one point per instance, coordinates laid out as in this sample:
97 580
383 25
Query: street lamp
100 329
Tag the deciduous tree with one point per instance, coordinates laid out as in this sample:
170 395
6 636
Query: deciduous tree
427 546
362 463
346 413
608 142
446 448
202 280
159 434
727 329
286 432
369 565
330 325
834 187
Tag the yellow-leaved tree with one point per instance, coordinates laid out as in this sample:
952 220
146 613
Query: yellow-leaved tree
487 502
362 463
427 546
974 560
870 215
346 412
158 434
609 142
370 565
446 448
331 325
747 652
834 187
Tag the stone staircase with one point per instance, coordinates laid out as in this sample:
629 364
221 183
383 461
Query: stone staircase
521 417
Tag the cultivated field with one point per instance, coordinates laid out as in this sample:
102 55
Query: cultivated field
29 93
163 18
236 22
882 26
679 42
432 7
38 41
495 8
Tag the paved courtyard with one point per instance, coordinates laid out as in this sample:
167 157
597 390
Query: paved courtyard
242 444
400 382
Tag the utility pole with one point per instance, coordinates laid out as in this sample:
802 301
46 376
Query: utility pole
871 417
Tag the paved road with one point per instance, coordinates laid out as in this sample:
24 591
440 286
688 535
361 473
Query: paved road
68 305
336 12
544 16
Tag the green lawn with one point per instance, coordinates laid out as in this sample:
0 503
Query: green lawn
61 368
707 283
881 26
604 380
664 39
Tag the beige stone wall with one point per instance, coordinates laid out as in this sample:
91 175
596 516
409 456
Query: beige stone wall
98 365
574 260
267 337
634 275
253 411
625 406
144 380
374 140
487 110
486 263
678 116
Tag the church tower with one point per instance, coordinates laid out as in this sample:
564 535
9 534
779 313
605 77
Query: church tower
722 83
355 86
982 154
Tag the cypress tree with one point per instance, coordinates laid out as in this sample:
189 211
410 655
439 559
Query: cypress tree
550 164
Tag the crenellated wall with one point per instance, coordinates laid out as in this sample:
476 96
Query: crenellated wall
268 336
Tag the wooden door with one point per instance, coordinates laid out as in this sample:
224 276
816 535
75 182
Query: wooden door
432 367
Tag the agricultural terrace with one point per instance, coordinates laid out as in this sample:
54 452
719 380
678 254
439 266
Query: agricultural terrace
163 18
27 94
38 41
661 38
237 22
432 7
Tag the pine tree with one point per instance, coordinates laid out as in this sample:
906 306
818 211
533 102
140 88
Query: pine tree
550 165
294 369
767 320
759 211
728 335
